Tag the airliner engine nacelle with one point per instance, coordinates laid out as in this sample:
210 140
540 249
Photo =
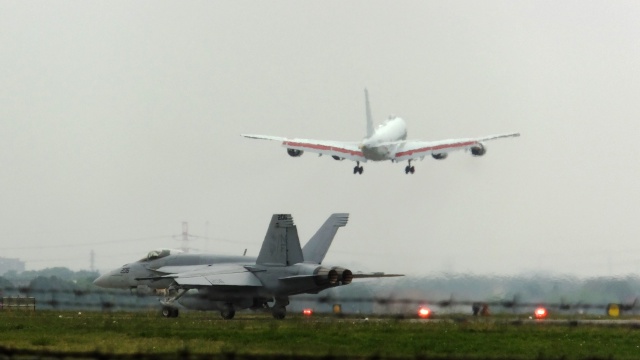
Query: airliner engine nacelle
345 276
294 152
336 157
440 156
478 150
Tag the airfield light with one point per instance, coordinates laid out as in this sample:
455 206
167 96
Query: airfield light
307 312
424 312
540 313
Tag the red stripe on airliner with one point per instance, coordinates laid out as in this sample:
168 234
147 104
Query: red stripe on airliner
323 147
437 147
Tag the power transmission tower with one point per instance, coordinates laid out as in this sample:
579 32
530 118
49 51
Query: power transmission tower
186 237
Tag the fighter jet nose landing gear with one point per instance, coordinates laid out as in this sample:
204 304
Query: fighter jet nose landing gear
409 168
170 312
358 169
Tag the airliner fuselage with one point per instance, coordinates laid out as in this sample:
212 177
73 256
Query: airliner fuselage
384 141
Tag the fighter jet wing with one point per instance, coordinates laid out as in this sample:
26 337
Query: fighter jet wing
181 269
341 150
212 275
410 150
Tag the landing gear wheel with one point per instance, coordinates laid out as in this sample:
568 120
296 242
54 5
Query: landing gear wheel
409 168
279 312
170 312
166 311
357 169
228 314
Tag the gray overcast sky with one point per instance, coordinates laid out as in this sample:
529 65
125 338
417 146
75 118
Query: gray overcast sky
120 120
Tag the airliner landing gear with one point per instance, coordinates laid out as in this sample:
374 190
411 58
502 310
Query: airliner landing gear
358 169
409 168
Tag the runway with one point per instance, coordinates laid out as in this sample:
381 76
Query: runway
633 323
568 322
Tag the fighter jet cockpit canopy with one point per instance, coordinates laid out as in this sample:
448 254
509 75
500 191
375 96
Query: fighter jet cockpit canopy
160 253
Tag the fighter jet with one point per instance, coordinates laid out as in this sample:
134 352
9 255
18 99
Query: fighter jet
230 283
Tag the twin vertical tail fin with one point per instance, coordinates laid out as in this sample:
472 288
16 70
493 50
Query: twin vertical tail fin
281 246
316 249
369 117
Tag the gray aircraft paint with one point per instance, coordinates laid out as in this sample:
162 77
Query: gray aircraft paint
229 283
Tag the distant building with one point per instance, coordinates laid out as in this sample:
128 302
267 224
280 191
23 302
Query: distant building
7 265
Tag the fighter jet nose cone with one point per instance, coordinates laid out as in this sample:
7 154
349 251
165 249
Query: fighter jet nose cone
102 281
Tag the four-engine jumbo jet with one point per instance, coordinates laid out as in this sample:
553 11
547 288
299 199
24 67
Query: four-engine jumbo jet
386 142
229 283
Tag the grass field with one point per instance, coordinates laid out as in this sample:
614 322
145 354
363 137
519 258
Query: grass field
205 333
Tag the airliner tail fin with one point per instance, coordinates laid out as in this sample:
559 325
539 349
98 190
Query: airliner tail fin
369 118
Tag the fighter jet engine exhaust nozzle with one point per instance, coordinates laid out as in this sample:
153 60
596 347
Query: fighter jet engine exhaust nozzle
345 276
324 276
478 150
294 152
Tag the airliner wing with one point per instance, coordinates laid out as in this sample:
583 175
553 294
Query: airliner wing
339 149
410 150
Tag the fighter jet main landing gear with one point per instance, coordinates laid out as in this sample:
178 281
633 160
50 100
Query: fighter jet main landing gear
228 314
279 310
358 169
409 168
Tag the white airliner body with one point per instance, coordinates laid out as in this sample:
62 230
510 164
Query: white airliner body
386 142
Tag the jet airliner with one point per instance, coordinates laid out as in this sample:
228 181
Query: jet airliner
386 142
